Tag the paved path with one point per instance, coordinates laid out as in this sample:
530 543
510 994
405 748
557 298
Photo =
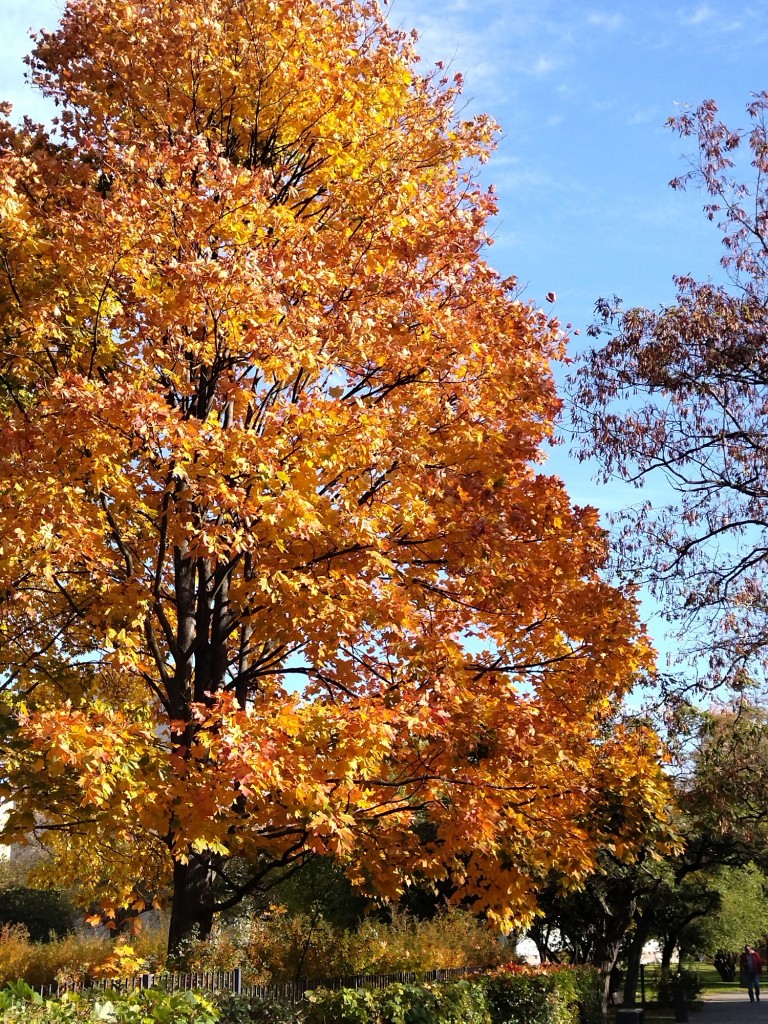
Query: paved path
732 1008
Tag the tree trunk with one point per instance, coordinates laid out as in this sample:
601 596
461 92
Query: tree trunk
541 941
192 908
606 964
200 668
606 967
616 919
634 957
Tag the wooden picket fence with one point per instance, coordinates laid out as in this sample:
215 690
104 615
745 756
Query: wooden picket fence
232 981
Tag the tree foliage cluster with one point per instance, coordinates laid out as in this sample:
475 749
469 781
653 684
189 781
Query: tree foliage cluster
705 894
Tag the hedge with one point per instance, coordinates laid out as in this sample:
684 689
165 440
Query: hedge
20 1004
511 995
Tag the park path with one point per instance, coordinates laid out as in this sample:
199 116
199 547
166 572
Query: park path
732 1008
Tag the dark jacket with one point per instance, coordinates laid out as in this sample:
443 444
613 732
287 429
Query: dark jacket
757 962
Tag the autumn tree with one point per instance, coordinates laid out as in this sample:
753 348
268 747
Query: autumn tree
696 879
724 793
597 921
280 577
678 396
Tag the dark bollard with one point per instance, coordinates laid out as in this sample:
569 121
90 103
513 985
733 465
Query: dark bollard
681 1004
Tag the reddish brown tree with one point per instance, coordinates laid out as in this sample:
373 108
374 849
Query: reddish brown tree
678 397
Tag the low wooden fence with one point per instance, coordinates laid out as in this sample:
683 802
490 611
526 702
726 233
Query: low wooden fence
232 981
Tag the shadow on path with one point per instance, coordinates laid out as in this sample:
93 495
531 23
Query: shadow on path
732 1008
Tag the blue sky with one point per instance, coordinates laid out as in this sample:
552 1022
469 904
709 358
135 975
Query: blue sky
582 91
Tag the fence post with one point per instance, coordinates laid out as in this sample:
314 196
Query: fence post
237 981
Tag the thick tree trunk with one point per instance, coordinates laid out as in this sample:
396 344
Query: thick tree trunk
634 957
606 966
201 662
667 949
192 909
615 926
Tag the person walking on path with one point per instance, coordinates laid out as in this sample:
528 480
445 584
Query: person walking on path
751 964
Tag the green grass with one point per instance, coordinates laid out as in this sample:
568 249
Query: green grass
708 976
712 982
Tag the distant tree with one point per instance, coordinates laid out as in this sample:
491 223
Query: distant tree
680 396
322 889
671 891
724 793
590 923
721 821
45 913
677 910
741 916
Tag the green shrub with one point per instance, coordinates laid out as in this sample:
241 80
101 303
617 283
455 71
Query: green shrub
43 912
463 1002
588 993
19 1004
453 1002
521 997
344 1006
519 994
408 1004
425 1003
236 1009
681 980
579 995
515 995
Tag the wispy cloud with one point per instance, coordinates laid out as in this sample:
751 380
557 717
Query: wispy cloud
543 66
701 14
724 19
602 19
644 115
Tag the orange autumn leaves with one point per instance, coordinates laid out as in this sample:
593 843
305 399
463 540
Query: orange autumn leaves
280 577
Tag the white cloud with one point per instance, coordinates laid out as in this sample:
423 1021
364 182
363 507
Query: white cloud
611 22
699 16
543 65
644 115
